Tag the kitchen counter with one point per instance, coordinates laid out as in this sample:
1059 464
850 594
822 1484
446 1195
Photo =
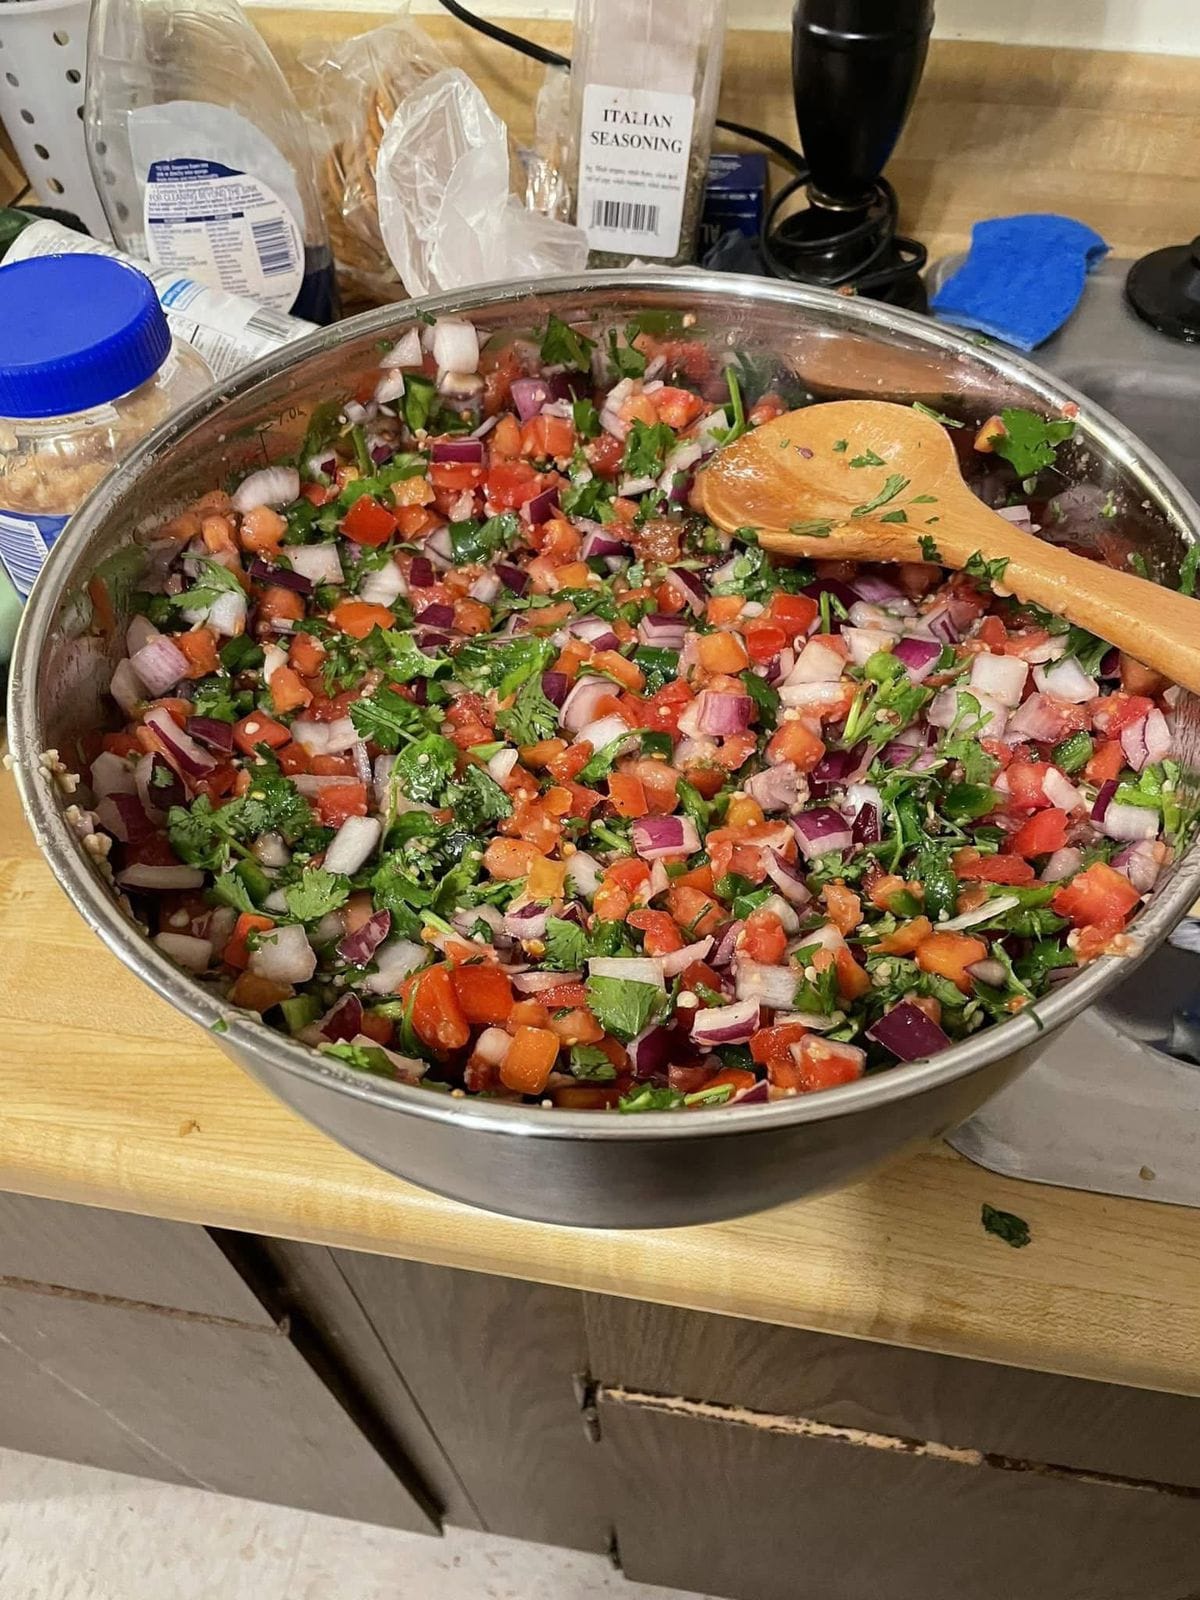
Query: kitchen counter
113 1100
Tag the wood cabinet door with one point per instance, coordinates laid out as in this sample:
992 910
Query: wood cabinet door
755 1507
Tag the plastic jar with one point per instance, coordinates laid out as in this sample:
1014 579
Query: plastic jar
87 367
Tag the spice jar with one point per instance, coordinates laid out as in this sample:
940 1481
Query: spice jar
87 368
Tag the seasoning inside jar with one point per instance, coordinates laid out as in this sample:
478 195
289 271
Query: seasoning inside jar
87 368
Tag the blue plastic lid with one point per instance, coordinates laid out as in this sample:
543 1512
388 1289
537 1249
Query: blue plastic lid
75 332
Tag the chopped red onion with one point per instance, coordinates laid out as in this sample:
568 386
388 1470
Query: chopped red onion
512 578
579 708
787 879
556 686
1130 823
765 985
269 486
180 749
664 836
485 587
343 1021
726 945
437 615
527 922
757 1094
1103 799
690 586
594 631
661 631
1137 737
542 507
719 715
732 1024
421 574
1140 863
439 548
352 844
908 1033
650 1053
875 589
529 396
1040 719
159 664
1065 680
217 735
461 452
821 831
777 788
139 632
126 688
185 950
142 876
598 544
280 577
357 948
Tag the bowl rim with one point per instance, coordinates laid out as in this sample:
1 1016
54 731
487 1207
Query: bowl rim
264 1049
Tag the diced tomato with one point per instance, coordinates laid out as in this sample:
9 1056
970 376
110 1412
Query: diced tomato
660 936
677 407
237 950
948 955
823 1064
257 728
1099 897
337 801
661 785
509 858
576 1026
764 640
798 743
368 521
663 709
763 938
377 1027
564 996
772 1047
483 992
1105 763
991 632
1045 832
200 648
1026 784
217 781
604 455
1118 711
293 758
455 475
853 981
437 1016
262 530
629 872
696 913
992 869
844 907
258 994
277 604
530 1060
358 618
547 437
794 613
905 938
510 484
743 812
412 522
627 795
738 1079
306 654
317 494
121 744
337 766
586 1096
288 692
722 652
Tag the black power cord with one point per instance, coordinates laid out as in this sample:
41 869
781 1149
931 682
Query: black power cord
882 262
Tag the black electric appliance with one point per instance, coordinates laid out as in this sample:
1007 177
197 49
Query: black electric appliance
856 65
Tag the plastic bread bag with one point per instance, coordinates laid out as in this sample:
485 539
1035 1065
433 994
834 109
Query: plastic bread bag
353 93
446 211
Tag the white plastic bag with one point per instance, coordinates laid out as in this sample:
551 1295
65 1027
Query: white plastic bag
446 213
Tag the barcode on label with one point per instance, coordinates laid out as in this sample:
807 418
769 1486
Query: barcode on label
625 216
271 325
274 246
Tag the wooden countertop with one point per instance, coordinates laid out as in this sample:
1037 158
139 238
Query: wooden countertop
110 1098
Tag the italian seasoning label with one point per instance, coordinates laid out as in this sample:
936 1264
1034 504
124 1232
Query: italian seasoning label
633 161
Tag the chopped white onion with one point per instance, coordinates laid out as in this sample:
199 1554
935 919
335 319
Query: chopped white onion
584 873
863 643
769 986
1066 680
284 955
632 969
1061 792
393 963
1130 823
269 486
185 951
1064 863
817 663
603 732
1001 678
983 913
352 844
455 346
406 352
319 563
390 387
383 585
111 774
227 614
126 688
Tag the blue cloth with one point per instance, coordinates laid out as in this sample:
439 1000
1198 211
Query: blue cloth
1022 279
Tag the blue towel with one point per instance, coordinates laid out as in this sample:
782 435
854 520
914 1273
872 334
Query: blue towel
1022 279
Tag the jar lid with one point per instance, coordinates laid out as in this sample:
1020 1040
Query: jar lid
75 332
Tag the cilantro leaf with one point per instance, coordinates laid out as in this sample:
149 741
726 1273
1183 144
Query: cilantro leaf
502 664
402 657
585 418
646 1097
895 483
478 799
929 549
985 571
766 699
212 582
646 447
531 717
868 459
626 361
424 767
388 719
589 1064
214 697
563 346
316 893
1005 1225
566 945
200 836
370 1058
937 416
652 743
1187 569
480 541
1087 649
623 1006
1030 442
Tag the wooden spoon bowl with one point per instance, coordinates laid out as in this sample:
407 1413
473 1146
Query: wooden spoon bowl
867 480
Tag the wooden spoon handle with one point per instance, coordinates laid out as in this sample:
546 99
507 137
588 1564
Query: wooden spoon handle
1156 626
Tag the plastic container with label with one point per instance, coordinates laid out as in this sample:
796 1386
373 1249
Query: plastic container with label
87 367
644 81
201 155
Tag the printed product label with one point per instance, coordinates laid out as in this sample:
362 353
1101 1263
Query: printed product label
25 540
634 146
228 332
224 227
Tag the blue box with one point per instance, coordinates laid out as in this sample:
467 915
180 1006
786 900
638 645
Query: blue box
734 197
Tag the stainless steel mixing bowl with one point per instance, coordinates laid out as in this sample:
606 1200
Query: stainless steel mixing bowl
581 1168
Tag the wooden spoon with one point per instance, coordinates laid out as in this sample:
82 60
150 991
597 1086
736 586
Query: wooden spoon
830 481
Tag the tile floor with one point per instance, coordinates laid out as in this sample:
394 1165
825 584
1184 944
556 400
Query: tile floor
77 1533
